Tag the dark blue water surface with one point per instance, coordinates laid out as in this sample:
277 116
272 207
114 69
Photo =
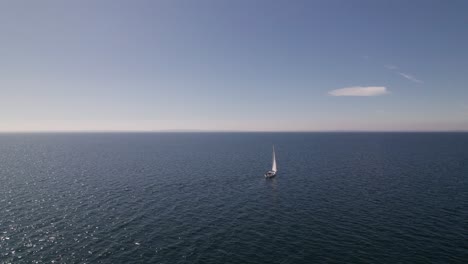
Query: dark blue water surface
202 198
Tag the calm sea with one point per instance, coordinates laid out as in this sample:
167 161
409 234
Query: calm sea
202 198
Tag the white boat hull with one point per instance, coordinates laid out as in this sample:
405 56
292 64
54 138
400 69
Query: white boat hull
270 174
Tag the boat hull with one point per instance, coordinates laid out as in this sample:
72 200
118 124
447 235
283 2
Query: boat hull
270 174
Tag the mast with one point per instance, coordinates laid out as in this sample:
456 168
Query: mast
273 167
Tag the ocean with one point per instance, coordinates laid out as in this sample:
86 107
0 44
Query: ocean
202 198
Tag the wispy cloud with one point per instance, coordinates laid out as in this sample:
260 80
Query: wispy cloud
360 91
391 67
410 77
402 74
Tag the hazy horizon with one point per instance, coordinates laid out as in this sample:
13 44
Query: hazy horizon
233 66
228 131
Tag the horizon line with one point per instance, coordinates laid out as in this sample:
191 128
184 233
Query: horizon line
228 131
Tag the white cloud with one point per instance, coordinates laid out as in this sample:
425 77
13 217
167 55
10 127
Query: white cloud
359 91
410 77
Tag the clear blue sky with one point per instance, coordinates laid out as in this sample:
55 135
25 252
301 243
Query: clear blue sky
233 65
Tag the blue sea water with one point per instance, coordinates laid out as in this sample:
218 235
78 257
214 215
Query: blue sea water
202 198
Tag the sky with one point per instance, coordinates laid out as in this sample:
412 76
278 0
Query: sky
243 65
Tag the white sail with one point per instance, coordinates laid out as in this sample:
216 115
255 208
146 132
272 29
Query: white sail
273 167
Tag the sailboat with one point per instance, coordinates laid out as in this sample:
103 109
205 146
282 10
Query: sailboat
272 173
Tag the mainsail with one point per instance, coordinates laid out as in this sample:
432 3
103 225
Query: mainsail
273 168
